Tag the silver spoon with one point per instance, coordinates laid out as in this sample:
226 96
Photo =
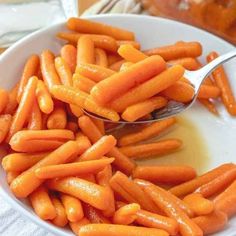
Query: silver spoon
173 108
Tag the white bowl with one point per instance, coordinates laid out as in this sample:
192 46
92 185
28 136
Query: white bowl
220 132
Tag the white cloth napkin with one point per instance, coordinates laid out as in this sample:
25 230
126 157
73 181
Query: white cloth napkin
11 222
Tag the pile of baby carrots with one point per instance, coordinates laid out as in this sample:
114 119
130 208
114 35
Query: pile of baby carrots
74 173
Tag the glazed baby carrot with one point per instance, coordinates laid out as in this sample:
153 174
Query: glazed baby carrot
64 71
69 54
117 65
220 77
35 119
100 41
104 92
4 98
5 123
101 57
88 192
188 63
179 91
165 174
11 175
44 98
126 214
73 208
21 161
42 204
135 44
225 201
210 106
91 27
130 53
177 50
211 223
83 83
85 50
162 147
12 101
163 200
146 132
103 146
27 182
57 119
73 126
99 124
125 65
122 162
138 110
30 140
48 69
113 57
61 219
131 192
152 220
192 185
76 226
117 230
30 69
82 139
72 169
208 91
94 72
149 88
24 107
76 110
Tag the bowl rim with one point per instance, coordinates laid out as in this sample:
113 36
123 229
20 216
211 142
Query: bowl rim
15 203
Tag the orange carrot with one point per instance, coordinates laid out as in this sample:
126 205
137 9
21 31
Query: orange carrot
82 139
131 192
146 132
11 175
27 182
135 44
85 50
117 65
177 50
198 204
100 41
44 98
192 185
163 200
103 146
210 106
126 214
209 91
21 161
99 124
94 72
125 66
83 83
73 126
117 230
4 98
72 169
76 110
12 101
149 88
138 110
180 92
127 79
159 148
61 219
42 204
30 140
101 57
211 223
225 201
73 208
88 192
48 69
64 71
30 69
35 119
152 220
188 63
24 107
165 174
130 53
5 123
57 119
113 57
76 226
69 54
91 27
223 84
